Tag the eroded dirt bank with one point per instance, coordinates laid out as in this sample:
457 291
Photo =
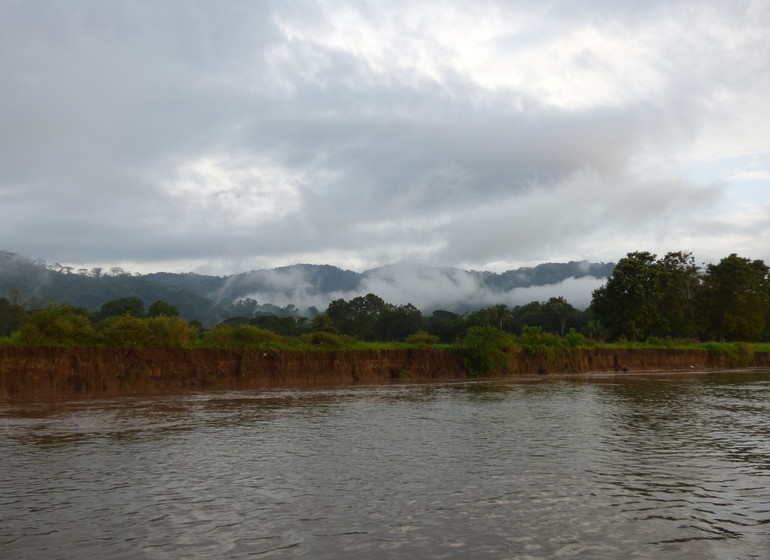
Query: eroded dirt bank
52 372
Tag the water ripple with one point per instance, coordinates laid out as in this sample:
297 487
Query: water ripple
612 467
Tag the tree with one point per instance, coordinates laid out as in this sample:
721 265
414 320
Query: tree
446 325
397 322
559 314
628 304
10 316
126 331
680 281
170 332
132 305
59 325
323 323
358 316
484 349
529 314
161 308
735 299
241 336
495 315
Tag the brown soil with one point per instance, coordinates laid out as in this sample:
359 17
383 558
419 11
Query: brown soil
53 372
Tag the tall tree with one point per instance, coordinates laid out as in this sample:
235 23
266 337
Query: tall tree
398 322
680 281
735 299
560 314
161 308
628 304
131 305
358 316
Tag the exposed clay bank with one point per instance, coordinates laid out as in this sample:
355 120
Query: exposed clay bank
51 372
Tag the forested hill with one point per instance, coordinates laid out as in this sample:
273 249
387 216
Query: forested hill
281 291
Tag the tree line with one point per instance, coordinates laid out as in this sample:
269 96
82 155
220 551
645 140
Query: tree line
645 298
125 322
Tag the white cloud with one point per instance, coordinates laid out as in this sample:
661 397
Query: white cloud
493 134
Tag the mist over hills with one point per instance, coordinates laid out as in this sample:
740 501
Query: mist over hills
301 289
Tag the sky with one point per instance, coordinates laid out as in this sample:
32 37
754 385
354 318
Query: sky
219 137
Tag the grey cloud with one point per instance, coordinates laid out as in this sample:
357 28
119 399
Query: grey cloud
104 103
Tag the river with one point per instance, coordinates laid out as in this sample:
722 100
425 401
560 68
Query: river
673 466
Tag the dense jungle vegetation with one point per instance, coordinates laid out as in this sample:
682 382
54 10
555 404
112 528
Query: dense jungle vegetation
646 301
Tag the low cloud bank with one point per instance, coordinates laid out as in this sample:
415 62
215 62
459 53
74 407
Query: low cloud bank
426 288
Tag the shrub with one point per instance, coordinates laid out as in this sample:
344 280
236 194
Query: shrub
170 332
534 339
241 336
574 339
741 355
219 336
422 338
126 331
58 325
249 336
484 349
325 339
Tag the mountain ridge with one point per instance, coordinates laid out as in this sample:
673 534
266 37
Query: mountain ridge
296 289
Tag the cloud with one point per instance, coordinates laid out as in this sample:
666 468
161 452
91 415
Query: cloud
211 137
427 288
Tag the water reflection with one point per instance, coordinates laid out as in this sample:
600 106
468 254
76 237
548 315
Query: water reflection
591 467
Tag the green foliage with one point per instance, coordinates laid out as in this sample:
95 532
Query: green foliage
285 326
10 316
534 340
132 305
484 349
370 318
735 299
170 332
126 331
325 339
575 340
671 297
422 338
358 316
161 308
59 325
680 280
741 355
240 336
251 337
219 336
446 325
323 323
629 302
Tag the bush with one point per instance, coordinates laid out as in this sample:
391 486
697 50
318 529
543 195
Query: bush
574 339
126 331
484 349
219 336
325 339
241 336
422 338
58 325
534 340
170 332
251 337
741 355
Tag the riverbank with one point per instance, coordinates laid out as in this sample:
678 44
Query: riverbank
43 372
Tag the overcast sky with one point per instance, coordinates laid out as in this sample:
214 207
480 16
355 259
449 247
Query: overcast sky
219 137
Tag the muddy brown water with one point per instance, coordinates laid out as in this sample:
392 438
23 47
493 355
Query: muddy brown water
672 466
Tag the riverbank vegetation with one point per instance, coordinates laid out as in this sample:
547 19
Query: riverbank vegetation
647 302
